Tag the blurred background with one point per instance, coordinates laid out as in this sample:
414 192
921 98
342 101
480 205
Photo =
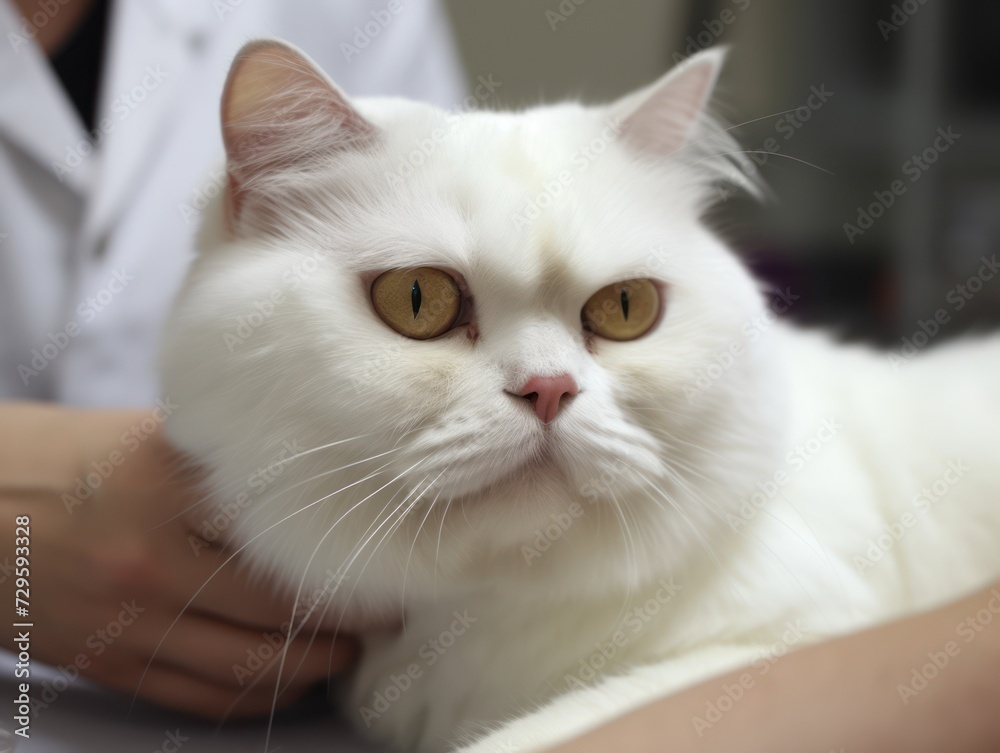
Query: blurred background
892 74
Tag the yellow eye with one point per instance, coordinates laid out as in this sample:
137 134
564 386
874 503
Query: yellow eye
420 303
622 311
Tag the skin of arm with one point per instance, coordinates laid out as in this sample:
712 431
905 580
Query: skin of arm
857 694
112 567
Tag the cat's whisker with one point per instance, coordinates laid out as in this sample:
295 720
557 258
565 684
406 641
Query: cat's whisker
327 446
717 132
343 573
437 550
219 569
358 547
329 601
633 571
406 570
818 549
771 154
357 552
627 537
251 684
391 530
672 471
679 510
336 470
666 435
248 519
807 593
239 482
298 596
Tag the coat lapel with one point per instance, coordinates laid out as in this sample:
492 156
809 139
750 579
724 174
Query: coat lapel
152 46
35 113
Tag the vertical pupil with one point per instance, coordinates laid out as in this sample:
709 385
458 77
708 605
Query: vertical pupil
415 298
625 304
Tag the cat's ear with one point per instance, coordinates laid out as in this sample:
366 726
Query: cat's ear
280 112
662 117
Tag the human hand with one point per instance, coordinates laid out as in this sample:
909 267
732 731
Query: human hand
115 581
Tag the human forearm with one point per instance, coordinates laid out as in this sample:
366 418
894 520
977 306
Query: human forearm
117 592
43 446
37 463
844 694
43 451
35 450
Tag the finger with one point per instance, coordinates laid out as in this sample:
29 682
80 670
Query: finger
175 689
214 581
225 654
214 576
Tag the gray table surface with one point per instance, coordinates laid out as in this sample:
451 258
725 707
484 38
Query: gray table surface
84 718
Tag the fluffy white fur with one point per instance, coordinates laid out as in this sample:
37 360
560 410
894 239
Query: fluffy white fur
423 490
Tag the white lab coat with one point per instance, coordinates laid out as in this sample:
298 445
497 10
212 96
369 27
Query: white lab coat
94 247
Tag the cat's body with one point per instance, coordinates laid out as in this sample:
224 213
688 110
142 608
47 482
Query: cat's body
619 545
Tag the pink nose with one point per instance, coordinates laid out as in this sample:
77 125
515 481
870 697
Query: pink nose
545 393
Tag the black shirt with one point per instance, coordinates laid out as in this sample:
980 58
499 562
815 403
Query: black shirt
79 61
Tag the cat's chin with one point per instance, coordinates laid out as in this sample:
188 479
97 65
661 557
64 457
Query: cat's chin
523 480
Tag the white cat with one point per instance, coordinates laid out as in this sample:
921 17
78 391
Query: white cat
543 413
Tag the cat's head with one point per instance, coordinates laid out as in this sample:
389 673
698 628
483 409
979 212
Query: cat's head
426 349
